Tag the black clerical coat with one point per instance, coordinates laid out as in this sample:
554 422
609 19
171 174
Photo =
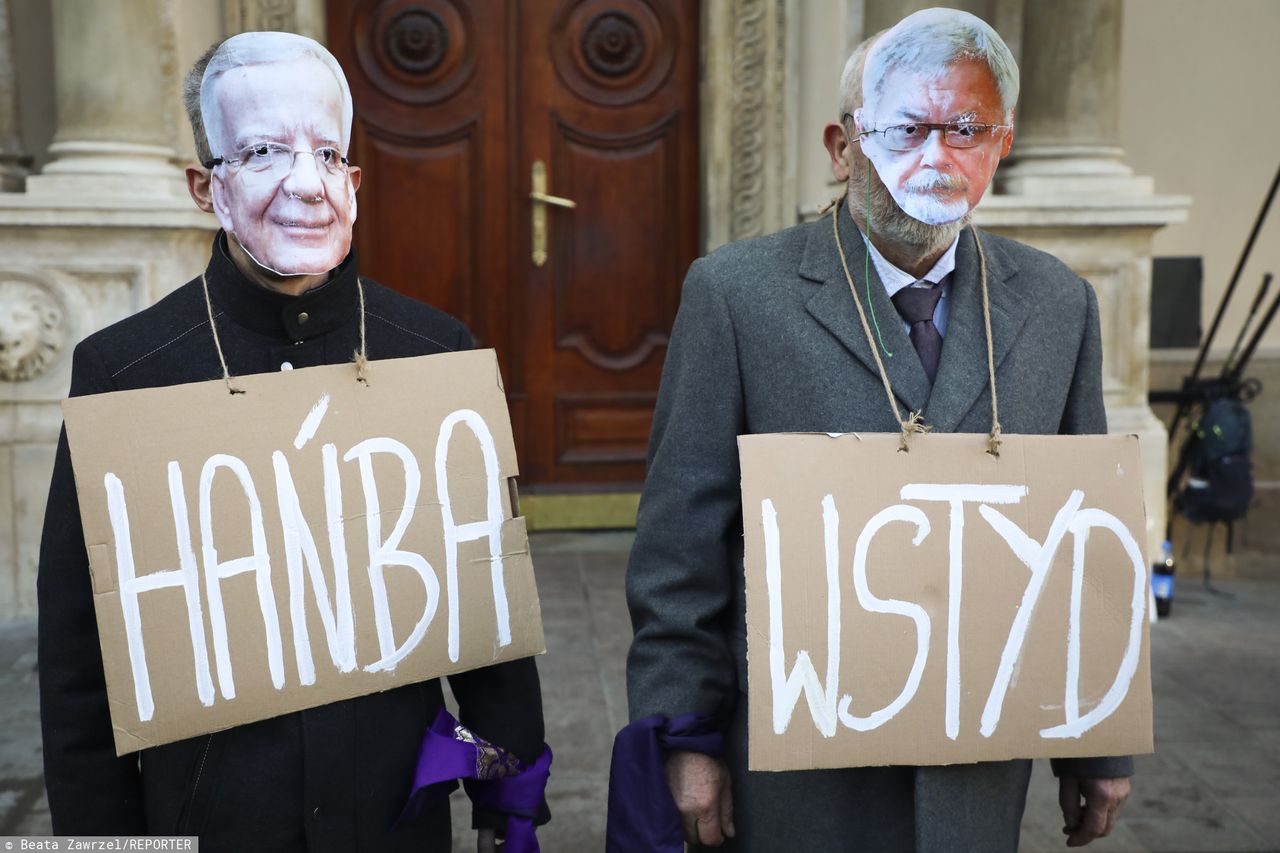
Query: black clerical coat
332 778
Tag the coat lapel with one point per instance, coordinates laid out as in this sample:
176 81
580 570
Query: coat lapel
833 307
962 370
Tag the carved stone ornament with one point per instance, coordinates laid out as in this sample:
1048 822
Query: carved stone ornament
750 71
748 118
275 15
32 330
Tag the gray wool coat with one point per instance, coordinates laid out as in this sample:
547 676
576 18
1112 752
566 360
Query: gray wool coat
767 339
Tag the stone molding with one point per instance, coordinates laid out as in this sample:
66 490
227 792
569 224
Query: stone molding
749 121
304 17
748 110
102 210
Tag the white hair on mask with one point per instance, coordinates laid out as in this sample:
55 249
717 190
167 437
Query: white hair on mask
928 41
263 48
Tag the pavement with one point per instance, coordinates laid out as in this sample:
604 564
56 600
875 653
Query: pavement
1212 786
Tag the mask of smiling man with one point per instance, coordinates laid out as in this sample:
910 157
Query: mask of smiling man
277 113
934 125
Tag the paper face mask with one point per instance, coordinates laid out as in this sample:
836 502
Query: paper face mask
283 192
935 174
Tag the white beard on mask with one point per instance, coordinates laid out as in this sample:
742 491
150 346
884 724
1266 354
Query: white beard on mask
885 219
919 201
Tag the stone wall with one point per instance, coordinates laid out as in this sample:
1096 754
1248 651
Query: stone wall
60 281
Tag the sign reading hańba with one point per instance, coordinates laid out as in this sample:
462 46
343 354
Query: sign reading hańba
944 605
309 540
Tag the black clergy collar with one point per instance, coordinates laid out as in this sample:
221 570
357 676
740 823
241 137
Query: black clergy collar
322 309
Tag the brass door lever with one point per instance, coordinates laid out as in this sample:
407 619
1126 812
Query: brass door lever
540 200
553 199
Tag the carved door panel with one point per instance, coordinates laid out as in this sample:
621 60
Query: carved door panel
609 104
429 84
456 101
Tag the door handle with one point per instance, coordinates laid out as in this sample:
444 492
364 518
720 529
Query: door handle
540 200
553 199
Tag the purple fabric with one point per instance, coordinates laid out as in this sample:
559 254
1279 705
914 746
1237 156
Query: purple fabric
494 778
642 813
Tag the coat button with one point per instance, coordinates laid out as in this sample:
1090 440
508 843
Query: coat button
316 812
303 318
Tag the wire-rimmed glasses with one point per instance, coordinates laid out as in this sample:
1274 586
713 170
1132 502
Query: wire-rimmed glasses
270 162
913 135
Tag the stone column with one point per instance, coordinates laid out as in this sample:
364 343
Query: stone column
1068 116
106 231
115 76
13 164
1066 190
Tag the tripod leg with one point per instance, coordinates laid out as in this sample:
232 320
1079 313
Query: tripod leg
1208 574
1208 546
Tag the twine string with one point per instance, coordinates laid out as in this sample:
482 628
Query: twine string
914 423
361 355
993 439
217 342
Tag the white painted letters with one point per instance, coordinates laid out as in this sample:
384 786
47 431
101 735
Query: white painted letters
1076 725
872 604
1038 557
215 572
300 547
383 553
489 527
310 551
787 686
185 576
956 495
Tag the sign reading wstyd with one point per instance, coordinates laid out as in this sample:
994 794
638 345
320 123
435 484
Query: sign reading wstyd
309 540
943 605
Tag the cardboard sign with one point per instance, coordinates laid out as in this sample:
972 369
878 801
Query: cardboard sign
943 605
310 540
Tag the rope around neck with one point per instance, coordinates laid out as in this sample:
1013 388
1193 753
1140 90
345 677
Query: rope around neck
993 439
217 343
914 422
361 355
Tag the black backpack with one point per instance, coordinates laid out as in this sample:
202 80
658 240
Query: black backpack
1220 484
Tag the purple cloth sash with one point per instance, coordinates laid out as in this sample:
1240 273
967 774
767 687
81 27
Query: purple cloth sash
494 778
642 814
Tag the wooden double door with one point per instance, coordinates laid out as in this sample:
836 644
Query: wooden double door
463 109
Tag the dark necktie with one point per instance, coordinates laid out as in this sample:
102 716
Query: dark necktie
916 305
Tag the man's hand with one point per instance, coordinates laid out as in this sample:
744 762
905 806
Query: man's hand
1097 817
486 841
700 786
